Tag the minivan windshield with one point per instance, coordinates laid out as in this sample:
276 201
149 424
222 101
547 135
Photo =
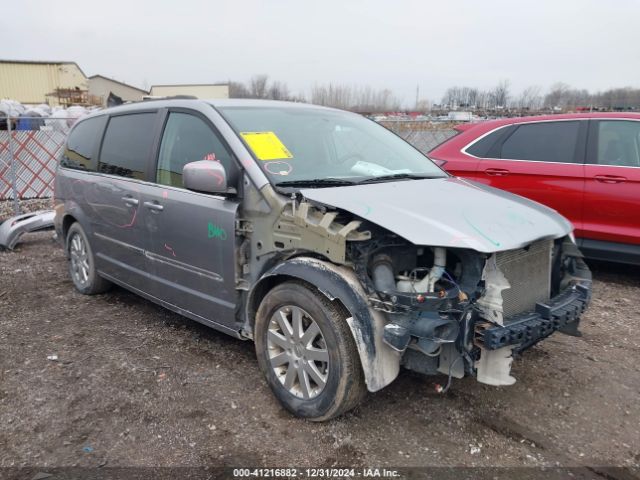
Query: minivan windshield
315 147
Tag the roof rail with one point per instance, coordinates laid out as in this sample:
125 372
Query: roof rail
149 98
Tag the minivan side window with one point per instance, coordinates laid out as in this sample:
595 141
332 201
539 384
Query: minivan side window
127 144
618 143
79 152
544 141
187 138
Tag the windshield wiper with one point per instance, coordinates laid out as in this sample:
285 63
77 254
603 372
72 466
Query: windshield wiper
399 176
316 182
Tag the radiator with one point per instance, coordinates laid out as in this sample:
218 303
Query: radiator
528 271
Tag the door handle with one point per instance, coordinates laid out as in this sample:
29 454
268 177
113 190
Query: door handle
610 179
497 172
130 201
153 206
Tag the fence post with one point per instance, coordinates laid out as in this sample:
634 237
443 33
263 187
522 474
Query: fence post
14 176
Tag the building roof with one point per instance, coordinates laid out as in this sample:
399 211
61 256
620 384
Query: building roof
44 62
119 83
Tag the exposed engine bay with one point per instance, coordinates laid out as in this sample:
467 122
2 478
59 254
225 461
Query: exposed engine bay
457 311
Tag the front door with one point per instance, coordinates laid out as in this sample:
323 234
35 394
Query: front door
192 235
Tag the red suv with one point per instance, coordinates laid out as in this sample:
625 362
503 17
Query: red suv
585 166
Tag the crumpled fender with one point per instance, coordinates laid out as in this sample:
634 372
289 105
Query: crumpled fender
380 363
12 228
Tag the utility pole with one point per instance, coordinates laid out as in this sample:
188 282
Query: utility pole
417 95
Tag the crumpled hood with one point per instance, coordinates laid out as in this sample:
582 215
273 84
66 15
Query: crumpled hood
447 212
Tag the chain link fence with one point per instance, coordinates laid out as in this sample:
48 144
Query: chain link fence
425 135
426 140
30 147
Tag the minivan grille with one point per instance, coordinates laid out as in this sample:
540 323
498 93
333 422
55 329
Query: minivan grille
529 273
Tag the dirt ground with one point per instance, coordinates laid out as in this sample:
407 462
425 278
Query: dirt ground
136 385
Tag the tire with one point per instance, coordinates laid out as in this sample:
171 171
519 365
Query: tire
82 265
296 369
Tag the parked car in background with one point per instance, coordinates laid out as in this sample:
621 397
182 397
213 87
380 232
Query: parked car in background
585 166
329 241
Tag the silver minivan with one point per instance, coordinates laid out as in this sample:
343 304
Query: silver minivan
339 249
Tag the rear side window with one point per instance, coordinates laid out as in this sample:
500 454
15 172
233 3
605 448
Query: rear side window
619 143
127 144
82 144
546 142
482 148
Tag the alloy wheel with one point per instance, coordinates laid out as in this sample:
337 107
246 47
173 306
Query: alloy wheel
79 260
298 352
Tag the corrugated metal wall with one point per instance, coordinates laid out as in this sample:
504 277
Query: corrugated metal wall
31 82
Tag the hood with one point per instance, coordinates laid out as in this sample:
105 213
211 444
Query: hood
447 212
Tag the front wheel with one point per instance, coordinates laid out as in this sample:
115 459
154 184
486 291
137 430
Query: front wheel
82 265
307 353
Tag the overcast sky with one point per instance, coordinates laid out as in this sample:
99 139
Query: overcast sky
592 44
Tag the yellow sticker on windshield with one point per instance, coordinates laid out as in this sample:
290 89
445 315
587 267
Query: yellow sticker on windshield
266 145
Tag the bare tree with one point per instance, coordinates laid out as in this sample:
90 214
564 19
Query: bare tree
501 94
530 99
238 90
557 96
359 99
278 91
258 86
461 97
367 99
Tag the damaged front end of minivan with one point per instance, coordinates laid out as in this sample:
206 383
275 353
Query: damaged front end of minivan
460 312
437 297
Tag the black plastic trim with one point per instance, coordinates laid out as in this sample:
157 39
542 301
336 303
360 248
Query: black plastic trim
561 313
610 251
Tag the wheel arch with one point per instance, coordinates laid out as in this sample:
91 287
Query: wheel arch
67 221
72 213
380 363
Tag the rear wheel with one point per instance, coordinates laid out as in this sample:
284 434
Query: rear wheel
307 353
82 266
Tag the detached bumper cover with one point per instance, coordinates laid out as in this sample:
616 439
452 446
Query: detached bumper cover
561 313
12 228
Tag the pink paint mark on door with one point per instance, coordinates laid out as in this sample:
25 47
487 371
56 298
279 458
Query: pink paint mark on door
167 247
132 222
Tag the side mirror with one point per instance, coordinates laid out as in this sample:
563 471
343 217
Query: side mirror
206 176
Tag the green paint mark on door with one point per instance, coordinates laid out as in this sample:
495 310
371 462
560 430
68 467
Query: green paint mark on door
214 231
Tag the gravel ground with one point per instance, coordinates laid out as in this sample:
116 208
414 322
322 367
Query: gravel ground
136 385
31 205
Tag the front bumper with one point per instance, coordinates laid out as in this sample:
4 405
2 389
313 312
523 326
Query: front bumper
561 313
12 228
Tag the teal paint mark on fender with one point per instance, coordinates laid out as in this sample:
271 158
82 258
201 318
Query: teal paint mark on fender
482 234
214 231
